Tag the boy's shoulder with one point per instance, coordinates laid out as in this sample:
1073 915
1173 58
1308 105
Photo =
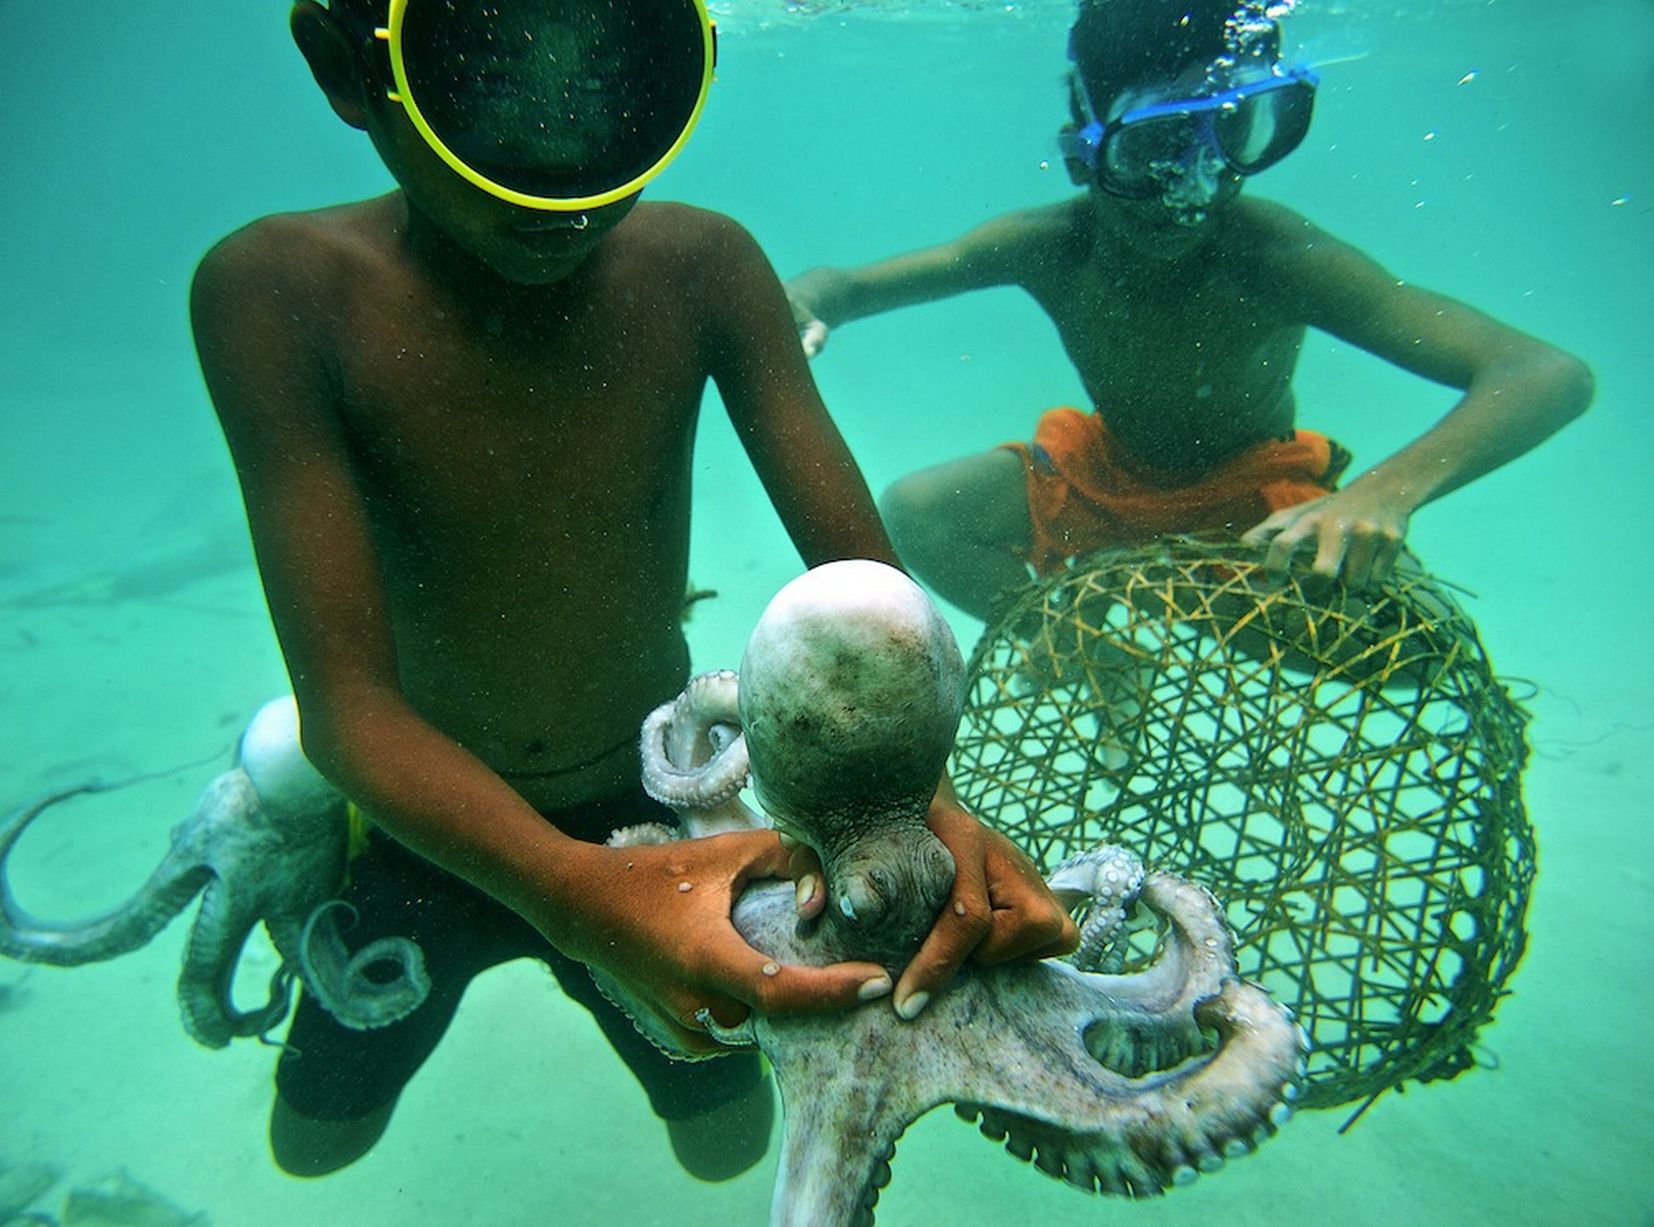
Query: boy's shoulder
695 240
685 224
1047 227
706 259
308 248
1273 235
1307 271
1018 245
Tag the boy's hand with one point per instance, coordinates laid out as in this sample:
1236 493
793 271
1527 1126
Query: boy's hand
810 294
677 950
812 331
1353 532
1000 909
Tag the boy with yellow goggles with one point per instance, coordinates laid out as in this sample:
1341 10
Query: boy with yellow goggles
463 414
544 105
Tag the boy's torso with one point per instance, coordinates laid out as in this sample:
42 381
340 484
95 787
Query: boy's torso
524 459
1189 361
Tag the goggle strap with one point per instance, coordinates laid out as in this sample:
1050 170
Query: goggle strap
383 34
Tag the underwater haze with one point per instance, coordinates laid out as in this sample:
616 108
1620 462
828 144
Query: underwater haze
1495 150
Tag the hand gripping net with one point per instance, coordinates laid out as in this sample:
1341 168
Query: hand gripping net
1344 773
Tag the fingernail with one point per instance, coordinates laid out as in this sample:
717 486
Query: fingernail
909 1009
875 988
806 887
788 843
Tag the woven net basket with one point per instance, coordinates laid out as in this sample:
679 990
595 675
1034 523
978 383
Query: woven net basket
1344 773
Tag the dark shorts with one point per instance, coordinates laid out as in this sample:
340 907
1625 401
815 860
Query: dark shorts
330 1072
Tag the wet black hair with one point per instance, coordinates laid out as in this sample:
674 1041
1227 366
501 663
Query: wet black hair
1123 44
358 19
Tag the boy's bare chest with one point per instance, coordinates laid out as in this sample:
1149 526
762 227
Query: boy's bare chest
457 421
1199 356
1139 330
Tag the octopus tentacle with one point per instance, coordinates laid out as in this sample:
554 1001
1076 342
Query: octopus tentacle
641 835
206 982
848 1121
1105 880
340 980
179 877
1141 1132
694 758
1139 1136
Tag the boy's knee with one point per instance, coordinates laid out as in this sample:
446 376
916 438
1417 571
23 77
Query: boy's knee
897 502
914 512
305 1146
729 1139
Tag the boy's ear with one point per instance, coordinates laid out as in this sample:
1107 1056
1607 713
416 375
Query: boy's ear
332 59
1079 174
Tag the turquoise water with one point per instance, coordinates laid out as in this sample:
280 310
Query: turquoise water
1495 151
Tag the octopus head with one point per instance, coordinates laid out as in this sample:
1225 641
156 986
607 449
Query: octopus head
274 761
851 690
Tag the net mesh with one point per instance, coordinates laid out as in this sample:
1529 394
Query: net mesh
1343 772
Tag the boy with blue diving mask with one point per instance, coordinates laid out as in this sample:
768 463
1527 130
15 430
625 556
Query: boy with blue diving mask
1183 305
1189 141
463 417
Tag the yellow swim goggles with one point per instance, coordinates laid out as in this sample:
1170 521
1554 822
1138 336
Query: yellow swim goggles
552 104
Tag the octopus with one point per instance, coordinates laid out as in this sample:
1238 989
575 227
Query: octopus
267 842
1117 1081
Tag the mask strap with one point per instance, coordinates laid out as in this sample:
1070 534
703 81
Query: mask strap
384 35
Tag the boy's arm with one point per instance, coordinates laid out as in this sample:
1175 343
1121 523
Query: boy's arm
1517 392
1000 908
991 254
261 315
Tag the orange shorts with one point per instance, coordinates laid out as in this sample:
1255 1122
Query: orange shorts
1086 492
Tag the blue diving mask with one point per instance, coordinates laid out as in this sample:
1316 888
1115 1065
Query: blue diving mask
1182 146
